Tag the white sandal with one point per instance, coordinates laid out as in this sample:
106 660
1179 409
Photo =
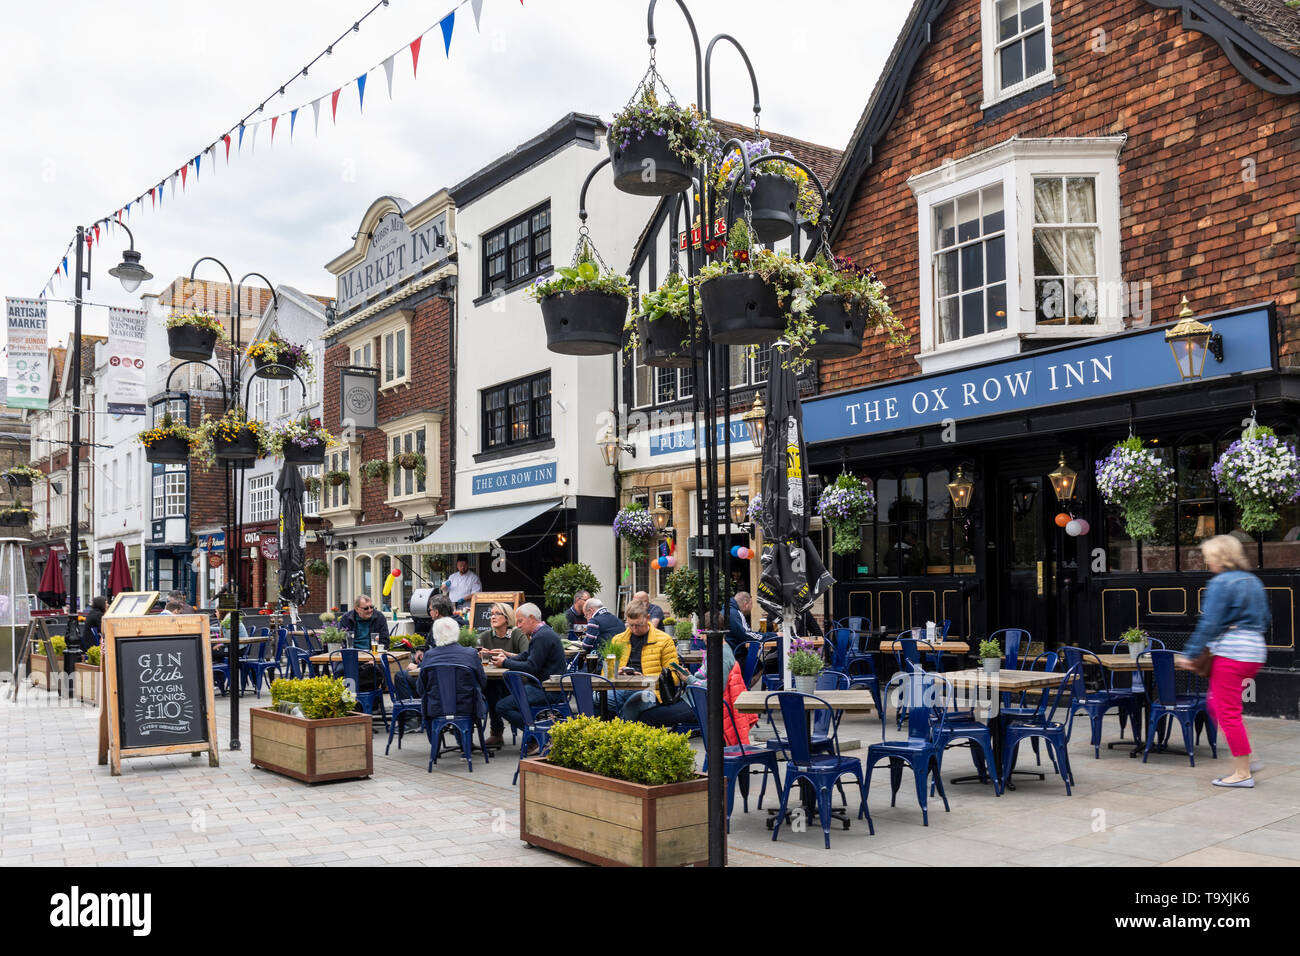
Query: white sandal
1247 784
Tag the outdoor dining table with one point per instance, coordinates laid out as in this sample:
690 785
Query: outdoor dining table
363 657
1128 664
943 647
225 639
1003 681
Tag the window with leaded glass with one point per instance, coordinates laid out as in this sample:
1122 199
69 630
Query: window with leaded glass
517 412
517 250
1021 43
1066 234
970 263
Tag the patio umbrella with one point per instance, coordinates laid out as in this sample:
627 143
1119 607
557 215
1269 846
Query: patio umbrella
293 537
792 574
119 573
52 591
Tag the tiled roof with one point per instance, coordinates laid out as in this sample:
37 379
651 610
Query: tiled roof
1273 20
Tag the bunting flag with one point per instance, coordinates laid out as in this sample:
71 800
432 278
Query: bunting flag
172 180
227 139
65 265
415 56
240 147
212 155
184 171
361 89
274 120
334 105
448 23
477 6
388 72
252 143
197 160
293 118
97 232
315 112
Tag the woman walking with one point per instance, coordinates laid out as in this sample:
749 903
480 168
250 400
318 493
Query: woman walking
1234 618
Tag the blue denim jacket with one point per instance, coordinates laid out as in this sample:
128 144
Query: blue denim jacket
1233 599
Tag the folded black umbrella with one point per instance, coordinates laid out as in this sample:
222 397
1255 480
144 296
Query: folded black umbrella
293 536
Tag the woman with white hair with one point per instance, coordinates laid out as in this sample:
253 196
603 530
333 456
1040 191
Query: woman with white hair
1234 618
470 683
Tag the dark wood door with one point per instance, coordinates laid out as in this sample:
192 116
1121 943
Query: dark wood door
1024 582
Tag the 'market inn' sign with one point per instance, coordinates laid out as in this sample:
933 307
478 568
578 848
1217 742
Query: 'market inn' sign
396 254
1111 366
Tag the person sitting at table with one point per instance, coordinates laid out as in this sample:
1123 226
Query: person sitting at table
365 626
448 650
502 635
738 619
654 611
220 651
439 607
601 622
642 649
543 659
576 615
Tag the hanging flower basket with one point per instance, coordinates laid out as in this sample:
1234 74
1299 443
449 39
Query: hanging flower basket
781 191
302 441
845 323
230 439
192 336
15 518
584 305
648 166
741 309
668 342
336 478
168 443
1137 481
635 526
1261 473
654 147
844 506
376 469
773 203
274 357
242 445
22 476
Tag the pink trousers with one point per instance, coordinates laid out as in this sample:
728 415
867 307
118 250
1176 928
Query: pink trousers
1224 703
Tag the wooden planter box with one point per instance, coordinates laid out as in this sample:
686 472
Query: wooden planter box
312 750
87 680
40 671
612 822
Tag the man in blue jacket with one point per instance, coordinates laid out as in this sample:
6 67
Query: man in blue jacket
601 621
544 658
469 684
738 619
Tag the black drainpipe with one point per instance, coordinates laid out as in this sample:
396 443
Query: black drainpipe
447 292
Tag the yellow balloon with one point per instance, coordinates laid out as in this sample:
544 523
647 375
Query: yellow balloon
388 585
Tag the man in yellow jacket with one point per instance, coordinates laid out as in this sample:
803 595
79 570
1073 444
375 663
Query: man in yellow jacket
642 649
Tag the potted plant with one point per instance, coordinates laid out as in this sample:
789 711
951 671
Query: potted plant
310 732
336 478
559 624
191 336
562 582
334 638
847 300
683 588
273 357
413 461
682 632
1137 639
635 526
230 438
990 653
302 441
317 567
616 793
781 191
170 442
805 665
376 469
584 306
86 674
328 617
664 328
23 476
1261 473
1135 479
739 302
313 484
40 663
655 147
845 505
16 517
468 637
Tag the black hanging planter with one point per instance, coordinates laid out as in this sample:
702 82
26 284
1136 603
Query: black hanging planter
241 449
265 368
772 204
191 343
649 167
313 455
15 519
844 328
741 309
584 323
19 481
661 342
168 451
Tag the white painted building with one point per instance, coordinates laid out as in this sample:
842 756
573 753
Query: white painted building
123 488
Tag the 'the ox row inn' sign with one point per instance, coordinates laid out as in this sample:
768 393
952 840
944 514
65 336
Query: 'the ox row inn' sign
515 478
394 255
1117 364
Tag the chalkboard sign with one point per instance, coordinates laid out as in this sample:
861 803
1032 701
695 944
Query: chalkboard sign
158 676
480 608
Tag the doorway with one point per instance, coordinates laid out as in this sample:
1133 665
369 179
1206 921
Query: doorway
1025 583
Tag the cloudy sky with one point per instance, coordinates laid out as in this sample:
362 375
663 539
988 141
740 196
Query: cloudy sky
104 101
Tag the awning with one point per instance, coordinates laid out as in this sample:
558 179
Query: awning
477 529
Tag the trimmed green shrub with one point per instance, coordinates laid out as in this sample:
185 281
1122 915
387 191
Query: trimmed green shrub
684 631
561 583
559 624
94 654
622 750
683 590
320 698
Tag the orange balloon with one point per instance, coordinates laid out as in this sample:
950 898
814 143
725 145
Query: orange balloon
1062 520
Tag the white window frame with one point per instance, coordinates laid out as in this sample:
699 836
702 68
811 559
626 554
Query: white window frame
409 505
170 498
261 498
993 93
311 503
261 401
1014 163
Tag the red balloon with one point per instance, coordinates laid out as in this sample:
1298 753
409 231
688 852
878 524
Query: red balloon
1062 520
397 572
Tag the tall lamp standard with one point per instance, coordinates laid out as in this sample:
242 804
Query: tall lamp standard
130 273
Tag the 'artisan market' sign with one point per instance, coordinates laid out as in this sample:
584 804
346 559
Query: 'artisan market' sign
1111 366
515 478
396 253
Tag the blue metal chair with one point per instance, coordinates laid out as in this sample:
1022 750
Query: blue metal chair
908 657
947 626
955 726
1042 726
1023 709
296 663
750 661
820 771
1095 703
221 677
401 705
537 728
920 751
580 689
849 656
351 667
1189 709
1011 639
463 725
737 759
1134 685
260 668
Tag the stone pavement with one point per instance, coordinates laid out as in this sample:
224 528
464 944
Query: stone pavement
57 807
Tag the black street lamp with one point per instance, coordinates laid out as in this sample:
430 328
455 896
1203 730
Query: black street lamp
419 527
129 271
326 536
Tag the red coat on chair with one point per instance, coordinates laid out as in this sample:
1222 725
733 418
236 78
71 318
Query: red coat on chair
730 732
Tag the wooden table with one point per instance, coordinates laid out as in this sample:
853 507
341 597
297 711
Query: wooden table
1120 662
243 640
943 647
621 682
1127 663
362 656
851 701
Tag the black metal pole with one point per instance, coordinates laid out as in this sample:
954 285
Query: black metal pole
74 464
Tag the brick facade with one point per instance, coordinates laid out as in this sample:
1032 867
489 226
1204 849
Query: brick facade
1208 179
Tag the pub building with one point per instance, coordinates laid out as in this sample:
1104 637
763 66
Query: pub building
1048 190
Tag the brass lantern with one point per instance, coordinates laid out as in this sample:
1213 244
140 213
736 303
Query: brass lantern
1189 341
960 489
1063 480
738 509
756 420
660 515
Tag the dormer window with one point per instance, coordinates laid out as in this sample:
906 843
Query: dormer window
1017 47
